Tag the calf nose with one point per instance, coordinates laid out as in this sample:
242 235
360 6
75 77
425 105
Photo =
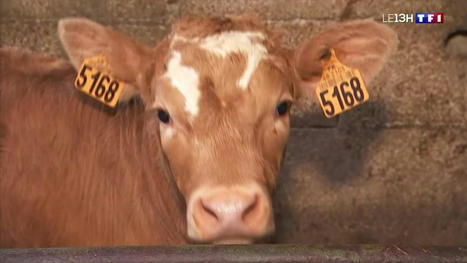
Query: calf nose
231 214
228 209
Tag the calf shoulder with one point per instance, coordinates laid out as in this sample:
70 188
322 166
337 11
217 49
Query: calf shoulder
73 173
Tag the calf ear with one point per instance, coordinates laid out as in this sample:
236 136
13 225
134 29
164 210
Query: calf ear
128 60
362 44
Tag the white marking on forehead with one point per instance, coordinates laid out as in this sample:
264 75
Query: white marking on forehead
185 79
235 41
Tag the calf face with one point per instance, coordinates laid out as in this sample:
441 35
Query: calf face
222 91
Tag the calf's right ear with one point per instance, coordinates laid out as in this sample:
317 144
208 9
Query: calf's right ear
128 60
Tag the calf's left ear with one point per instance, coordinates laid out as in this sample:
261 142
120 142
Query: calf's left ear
129 61
362 44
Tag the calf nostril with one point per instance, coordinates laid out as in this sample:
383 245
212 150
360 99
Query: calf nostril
209 211
249 210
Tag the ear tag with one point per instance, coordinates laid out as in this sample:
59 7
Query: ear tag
341 88
95 80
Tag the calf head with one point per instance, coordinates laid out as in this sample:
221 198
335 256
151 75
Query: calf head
221 90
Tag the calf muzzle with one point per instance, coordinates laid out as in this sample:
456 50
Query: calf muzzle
238 214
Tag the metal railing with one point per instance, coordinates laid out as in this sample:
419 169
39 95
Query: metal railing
240 253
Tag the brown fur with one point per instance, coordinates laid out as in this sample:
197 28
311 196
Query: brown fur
72 174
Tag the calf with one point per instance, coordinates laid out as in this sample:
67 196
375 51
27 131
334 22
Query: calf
192 151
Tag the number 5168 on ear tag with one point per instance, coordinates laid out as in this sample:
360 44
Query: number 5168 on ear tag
341 88
97 83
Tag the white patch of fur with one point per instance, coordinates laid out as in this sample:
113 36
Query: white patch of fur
186 80
234 41
229 42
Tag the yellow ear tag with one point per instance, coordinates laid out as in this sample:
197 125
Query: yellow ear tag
341 88
95 80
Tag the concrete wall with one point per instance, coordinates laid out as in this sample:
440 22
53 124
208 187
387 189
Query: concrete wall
393 170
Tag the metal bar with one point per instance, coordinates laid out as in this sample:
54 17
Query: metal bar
235 253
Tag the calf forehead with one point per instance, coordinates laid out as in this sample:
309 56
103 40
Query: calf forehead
214 68
249 44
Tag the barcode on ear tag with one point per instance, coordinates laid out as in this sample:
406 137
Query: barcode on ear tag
93 80
341 88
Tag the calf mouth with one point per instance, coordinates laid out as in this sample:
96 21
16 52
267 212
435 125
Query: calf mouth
233 241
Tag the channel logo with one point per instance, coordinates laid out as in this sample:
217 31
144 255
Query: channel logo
429 18
419 18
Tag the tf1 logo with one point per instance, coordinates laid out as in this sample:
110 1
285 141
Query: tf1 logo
437 18
419 18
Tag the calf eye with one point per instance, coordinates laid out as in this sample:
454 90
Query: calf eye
282 108
163 116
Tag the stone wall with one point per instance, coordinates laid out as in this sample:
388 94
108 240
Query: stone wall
392 171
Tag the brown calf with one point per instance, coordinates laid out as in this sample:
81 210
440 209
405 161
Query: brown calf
209 130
